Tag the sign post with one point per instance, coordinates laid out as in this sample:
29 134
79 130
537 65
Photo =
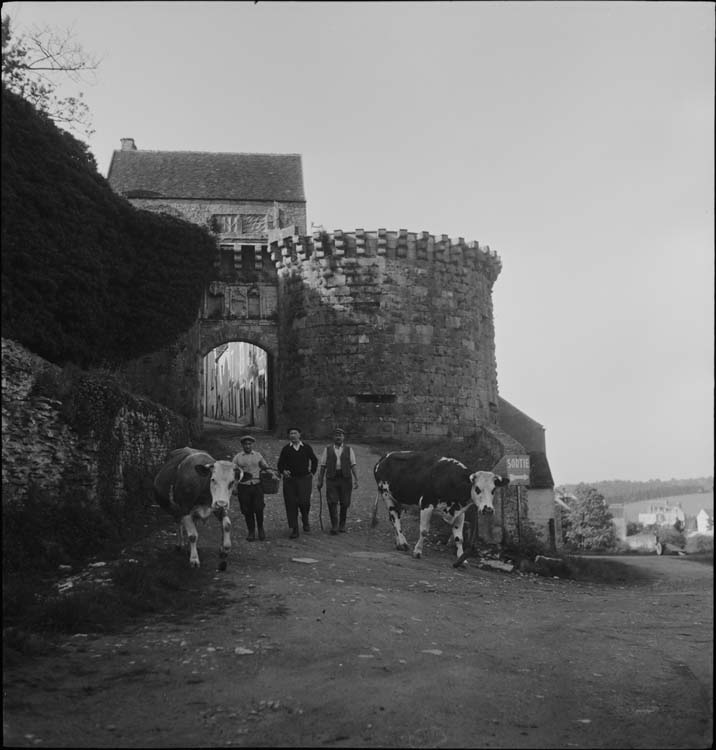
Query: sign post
516 467
519 525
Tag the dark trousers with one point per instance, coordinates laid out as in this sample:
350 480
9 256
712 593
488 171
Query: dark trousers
251 502
338 492
297 497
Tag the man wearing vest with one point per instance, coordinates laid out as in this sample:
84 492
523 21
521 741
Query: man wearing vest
337 463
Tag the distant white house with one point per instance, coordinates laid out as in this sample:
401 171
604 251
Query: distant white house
661 514
690 504
704 523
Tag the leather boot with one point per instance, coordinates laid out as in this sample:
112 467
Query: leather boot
333 512
251 527
342 524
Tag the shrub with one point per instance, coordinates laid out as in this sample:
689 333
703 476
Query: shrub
86 276
702 544
529 545
669 535
588 525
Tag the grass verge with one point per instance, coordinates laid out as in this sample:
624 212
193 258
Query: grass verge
604 570
36 613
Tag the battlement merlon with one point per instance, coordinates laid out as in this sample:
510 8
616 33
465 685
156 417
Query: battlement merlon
287 248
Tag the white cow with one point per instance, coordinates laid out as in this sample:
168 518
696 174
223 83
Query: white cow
192 485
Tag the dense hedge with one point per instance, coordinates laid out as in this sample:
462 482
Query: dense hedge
86 277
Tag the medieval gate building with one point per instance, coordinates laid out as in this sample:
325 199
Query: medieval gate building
388 333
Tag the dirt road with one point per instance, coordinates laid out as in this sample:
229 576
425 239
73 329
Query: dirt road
342 641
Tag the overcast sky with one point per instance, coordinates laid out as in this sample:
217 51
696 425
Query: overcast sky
575 139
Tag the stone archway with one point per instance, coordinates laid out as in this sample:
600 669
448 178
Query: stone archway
236 378
239 319
250 354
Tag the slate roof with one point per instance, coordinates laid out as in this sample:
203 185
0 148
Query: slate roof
197 175
521 426
531 434
540 473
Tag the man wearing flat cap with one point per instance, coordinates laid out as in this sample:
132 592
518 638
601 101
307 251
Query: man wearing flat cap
337 463
249 490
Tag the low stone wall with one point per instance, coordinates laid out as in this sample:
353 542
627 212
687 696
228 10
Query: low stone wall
68 433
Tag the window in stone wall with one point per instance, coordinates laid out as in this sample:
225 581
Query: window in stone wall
254 301
227 259
227 223
214 305
248 259
375 398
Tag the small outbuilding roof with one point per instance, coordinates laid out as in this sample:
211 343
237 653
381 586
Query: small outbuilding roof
540 473
198 175
530 434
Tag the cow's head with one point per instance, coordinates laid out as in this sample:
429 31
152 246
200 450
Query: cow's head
483 484
222 475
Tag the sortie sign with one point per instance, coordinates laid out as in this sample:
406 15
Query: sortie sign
518 469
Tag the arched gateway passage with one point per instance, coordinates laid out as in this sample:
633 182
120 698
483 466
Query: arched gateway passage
236 385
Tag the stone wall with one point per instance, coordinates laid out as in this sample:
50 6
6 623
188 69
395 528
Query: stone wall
95 440
172 377
491 444
542 511
275 214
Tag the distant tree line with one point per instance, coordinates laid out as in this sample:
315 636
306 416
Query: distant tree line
86 277
623 491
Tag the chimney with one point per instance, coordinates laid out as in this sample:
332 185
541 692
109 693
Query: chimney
128 144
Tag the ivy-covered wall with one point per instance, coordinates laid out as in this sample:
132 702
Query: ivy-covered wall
71 433
87 278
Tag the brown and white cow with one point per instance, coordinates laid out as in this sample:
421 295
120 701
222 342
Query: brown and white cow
192 485
443 484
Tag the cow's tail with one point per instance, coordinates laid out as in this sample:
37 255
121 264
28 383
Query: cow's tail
374 519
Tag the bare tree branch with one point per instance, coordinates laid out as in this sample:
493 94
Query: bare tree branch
31 63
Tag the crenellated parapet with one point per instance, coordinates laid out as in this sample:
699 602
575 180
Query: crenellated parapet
390 332
392 245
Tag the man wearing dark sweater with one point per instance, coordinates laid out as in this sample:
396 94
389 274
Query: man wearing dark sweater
297 463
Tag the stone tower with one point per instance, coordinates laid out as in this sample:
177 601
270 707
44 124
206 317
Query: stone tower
388 334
